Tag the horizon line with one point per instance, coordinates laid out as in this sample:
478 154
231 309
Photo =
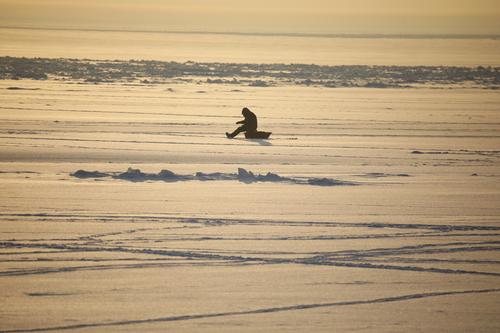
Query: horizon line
271 34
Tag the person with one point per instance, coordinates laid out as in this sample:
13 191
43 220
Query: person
249 124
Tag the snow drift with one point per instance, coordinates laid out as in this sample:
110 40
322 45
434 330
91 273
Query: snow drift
244 176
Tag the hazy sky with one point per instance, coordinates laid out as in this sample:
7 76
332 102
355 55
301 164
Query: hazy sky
309 16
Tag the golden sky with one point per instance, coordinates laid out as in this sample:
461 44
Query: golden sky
306 16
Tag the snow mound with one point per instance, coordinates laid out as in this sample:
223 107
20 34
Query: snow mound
136 175
243 175
89 174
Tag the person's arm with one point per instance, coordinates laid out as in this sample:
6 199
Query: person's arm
244 121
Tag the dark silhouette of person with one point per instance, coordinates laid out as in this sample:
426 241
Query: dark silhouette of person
249 124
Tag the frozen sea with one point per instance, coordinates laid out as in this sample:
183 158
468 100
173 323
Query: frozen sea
380 213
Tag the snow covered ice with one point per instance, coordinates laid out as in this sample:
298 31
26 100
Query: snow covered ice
125 208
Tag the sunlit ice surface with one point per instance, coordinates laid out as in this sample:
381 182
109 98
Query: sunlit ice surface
380 212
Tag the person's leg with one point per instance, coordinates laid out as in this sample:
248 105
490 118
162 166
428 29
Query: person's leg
236 132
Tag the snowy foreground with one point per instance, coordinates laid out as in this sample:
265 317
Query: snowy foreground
371 210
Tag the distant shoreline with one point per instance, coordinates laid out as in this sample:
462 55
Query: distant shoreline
267 34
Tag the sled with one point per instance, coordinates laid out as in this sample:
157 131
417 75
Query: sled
257 135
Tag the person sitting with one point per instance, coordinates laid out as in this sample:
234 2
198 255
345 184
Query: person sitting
249 124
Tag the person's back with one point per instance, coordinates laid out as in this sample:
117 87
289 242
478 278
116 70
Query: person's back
250 120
